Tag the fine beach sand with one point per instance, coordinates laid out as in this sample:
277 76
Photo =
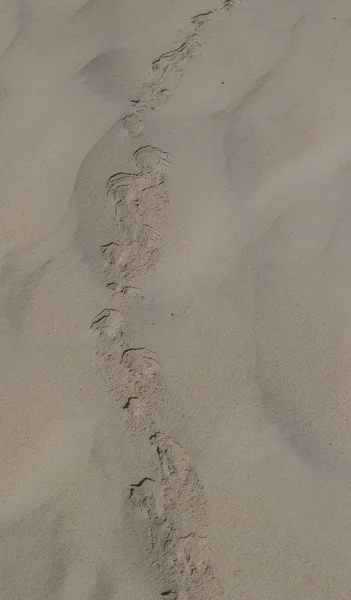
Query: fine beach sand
175 300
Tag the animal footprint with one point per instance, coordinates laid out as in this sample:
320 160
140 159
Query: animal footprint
108 323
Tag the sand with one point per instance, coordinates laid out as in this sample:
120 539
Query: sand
175 300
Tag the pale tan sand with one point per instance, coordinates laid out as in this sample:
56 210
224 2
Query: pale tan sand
174 301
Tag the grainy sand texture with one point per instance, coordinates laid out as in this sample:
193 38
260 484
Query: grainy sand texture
175 300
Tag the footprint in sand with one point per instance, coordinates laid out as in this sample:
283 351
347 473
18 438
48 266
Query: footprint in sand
141 362
108 323
151 159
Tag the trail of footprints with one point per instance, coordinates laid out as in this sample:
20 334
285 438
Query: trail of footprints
165 76
138 201
170 506
167 71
